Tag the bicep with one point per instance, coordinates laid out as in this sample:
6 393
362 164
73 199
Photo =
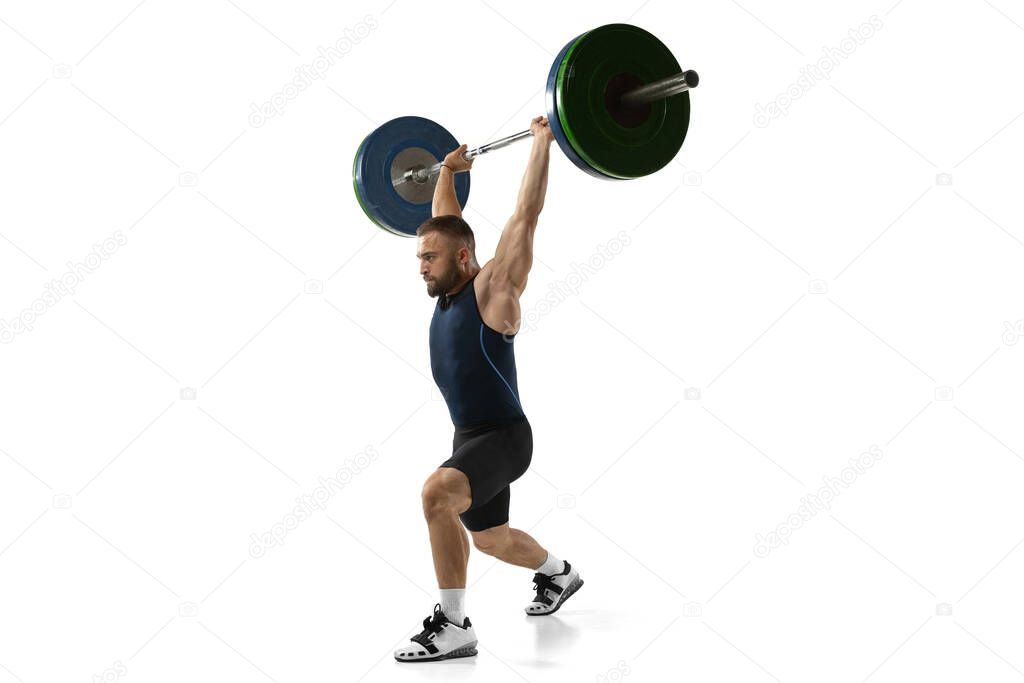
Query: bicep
514 255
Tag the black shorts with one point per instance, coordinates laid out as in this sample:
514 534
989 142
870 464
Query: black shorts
492 455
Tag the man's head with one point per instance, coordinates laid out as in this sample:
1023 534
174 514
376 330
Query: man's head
447 252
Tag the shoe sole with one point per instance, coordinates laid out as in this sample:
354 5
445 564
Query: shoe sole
565 595
464 651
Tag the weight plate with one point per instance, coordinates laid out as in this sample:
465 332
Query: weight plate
551 99
359 198
383 156
608 137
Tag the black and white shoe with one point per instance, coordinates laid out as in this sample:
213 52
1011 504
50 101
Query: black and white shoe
553 590
439 639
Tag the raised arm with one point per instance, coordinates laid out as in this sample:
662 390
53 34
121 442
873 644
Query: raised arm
445 203
513 257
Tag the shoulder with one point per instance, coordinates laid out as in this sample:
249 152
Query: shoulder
493 282
497 299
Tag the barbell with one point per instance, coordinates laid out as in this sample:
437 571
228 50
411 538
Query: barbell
618 106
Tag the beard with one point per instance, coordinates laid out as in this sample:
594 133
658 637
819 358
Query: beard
442 284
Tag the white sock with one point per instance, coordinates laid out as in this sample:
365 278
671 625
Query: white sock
552 565
453 604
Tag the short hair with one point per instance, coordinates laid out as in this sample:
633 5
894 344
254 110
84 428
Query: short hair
452 227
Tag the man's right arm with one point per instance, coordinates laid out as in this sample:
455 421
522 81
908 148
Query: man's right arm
445 202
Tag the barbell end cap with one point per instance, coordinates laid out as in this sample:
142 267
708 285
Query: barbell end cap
692 79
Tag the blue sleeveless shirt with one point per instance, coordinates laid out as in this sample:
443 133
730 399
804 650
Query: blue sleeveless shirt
473 365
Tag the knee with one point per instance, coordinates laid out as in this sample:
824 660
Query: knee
491 541
445 491
436 498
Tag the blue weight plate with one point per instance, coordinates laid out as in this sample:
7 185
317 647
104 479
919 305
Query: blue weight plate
551 99
358 189
371 172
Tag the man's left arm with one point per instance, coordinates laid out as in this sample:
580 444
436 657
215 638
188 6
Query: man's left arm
513 257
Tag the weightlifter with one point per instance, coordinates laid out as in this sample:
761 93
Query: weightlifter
472 360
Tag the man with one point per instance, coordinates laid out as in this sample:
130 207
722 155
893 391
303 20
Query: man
474 367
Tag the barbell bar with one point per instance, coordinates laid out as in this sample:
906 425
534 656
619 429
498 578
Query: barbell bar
610 107
660 89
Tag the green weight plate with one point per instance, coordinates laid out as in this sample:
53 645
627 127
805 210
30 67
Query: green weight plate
550 97
619 141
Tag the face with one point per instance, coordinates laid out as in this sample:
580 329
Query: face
439 264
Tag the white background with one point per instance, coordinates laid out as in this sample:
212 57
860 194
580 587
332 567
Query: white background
817 280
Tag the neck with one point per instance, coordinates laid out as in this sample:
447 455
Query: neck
469 275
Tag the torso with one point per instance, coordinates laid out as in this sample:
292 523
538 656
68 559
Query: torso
471 350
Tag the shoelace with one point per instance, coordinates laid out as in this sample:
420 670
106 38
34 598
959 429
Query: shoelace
432 624
542 582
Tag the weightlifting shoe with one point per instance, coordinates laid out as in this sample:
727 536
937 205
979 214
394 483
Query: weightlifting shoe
553 590
439 639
